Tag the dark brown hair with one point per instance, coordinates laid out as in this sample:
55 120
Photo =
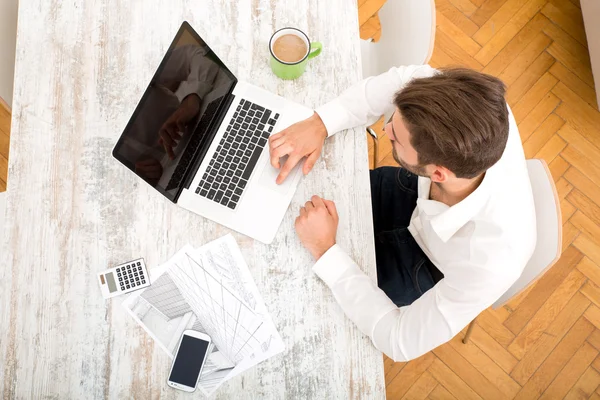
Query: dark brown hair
457 119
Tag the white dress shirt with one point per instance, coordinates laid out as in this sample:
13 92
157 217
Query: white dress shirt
481 244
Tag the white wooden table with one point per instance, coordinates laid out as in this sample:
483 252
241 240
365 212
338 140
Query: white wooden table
73 210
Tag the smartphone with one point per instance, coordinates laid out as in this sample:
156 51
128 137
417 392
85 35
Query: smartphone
192 352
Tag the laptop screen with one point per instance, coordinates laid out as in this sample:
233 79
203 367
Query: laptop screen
171 123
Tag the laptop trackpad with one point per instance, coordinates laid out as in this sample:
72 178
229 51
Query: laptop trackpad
269 175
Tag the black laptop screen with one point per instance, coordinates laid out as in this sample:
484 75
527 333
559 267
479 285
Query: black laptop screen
170 124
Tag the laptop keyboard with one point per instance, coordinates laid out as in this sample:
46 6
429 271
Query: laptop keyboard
227 174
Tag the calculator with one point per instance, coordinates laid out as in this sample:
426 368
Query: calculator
124 278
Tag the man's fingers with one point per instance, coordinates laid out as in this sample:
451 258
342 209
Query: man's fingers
174 132
309 205
278 143
170 151
168 148
171 129
273 138
317 201
168 143
331 208
166 138
287 168
180 127
279 152
302 211
310 162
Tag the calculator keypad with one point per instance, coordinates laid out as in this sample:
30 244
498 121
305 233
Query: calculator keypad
131 275
124 278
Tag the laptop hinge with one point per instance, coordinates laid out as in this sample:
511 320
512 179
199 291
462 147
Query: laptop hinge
214 127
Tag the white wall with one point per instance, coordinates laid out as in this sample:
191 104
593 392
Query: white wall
8 37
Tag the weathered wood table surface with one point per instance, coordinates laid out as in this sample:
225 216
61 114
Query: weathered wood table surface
73 210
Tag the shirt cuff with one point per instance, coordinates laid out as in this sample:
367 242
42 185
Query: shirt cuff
332 265
333 115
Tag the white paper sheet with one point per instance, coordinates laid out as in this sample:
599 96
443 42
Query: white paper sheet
211 290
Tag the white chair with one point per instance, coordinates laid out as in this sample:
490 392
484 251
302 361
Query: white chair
407 38
549 233
8 41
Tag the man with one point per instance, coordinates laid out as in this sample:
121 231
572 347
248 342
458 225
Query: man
454 227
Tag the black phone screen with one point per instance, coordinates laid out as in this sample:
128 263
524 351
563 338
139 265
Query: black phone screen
188 361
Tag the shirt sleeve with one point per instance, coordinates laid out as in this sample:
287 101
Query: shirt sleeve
365 102
405 333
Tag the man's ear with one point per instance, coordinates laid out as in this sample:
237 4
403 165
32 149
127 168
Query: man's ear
440 174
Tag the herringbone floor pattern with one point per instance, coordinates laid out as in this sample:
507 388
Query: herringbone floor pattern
546 343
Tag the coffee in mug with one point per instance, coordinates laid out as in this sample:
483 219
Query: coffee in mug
289 48
290 51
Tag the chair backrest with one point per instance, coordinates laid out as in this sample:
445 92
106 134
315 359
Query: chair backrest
549 229
8 43
407 36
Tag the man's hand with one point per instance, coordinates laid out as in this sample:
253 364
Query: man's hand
171 131
303 139
317 225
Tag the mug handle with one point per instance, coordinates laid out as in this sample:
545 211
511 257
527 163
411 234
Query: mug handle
315 49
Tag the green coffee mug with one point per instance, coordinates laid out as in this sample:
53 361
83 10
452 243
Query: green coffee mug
293 70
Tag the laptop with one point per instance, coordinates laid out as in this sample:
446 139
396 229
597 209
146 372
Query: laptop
199 136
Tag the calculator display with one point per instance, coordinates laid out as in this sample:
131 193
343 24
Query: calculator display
110 279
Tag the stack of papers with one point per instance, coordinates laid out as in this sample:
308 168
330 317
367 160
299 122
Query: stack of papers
210 290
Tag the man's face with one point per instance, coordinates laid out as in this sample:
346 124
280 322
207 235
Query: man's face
402 150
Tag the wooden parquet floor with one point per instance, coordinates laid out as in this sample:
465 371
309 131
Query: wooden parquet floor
546 343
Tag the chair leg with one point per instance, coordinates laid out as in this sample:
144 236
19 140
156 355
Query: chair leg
469 331
375 152
372 133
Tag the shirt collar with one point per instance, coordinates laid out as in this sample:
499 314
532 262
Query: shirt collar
446 221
